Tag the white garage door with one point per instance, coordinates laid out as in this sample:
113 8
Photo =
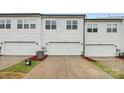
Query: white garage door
20 48
100 50
64 49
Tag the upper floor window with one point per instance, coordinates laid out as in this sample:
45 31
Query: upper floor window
19 24
95 27
68 25
2 24
92 28
5 24
26 24
8 24
112 28
89 28
71 25
50 24
33 24
53 24
74 25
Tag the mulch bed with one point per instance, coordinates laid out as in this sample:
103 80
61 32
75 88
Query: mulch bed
34 58
89 59
120 57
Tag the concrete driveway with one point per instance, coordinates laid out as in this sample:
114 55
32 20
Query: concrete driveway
115 63
66 67
6 61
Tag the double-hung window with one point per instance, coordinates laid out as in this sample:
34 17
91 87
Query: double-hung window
95 28
2 24
47 24
89 28
111 28
8 24
74 24
19 24
114 28
71 25
68 25
26 24
53 25
92 28
50 24
33 24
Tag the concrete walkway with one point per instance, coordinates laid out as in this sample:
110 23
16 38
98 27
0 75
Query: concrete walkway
6 61
66 67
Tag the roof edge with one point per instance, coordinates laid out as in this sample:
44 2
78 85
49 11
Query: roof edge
105 19
63 15
18 14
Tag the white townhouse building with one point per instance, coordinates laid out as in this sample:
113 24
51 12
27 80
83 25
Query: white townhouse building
104 37
60 34
20 34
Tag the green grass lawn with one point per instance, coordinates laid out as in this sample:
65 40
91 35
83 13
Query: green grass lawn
20 67
114 74
18 70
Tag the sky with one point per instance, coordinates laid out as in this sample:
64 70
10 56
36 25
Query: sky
95 15
96 8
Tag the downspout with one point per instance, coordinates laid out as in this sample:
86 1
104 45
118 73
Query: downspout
41 34
84 36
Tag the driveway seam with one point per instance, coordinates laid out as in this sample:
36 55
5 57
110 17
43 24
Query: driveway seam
66 69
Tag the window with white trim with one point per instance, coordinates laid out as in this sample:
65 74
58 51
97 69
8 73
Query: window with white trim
26 23
5 24
19 24
50 24
53 25
114 28
71 25
33 24
74 24
8 24
2 24
111 28
68 25
93 28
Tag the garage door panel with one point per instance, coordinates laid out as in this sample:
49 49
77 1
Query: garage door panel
64 49
20 48
100 50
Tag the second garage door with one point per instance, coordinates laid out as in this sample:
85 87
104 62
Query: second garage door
64 48
20 48
100 50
